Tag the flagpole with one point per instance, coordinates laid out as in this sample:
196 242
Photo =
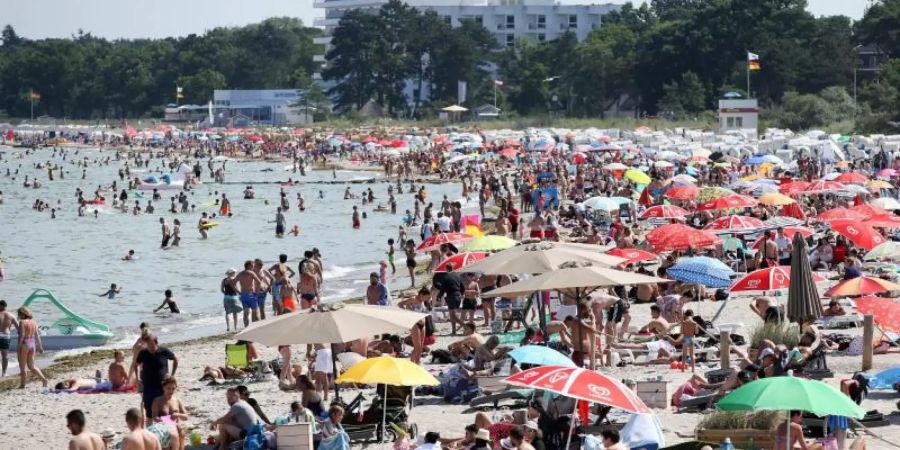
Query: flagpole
31 97
495 94
748 80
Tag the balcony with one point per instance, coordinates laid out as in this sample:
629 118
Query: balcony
537 26
322 22
319 58
322 40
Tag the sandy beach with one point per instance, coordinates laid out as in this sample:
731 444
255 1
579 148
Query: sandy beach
32 416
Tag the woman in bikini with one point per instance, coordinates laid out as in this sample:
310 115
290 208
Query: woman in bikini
169 409
29 343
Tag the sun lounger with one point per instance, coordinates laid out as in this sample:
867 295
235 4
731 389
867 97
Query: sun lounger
517 395
842 322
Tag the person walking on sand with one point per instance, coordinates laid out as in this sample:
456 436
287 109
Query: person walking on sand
7 323
166 232
154 368
29 343
248 282
137 437
83 439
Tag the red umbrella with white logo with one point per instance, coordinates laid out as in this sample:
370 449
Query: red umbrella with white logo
461 260
685 192
664 212
435 241
771 279
735 223
728 202
860 234
581 384
632 255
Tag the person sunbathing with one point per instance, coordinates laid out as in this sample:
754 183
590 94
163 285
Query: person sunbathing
211 373
464 347
117 373
76 384
834 309
795 434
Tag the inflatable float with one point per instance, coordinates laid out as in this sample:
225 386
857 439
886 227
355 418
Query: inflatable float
162 183
71 331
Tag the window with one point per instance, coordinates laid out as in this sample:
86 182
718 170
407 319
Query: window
448 20
542 37
510 40
541 22
730 122
479 20
573 21
510 22
739 122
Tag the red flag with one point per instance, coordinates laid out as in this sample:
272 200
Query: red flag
645 199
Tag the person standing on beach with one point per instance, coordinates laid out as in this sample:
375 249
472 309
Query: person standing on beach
137 437
83 439
248 282
230 300
282 275
409 249
154 368
265 279
309 281
7 323
29 343
166 232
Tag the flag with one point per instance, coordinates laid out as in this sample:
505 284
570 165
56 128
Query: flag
35 96
498 83
753 61
178 93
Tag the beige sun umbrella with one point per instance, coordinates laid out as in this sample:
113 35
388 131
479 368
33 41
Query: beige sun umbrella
343 323
455 109
542 257
576 281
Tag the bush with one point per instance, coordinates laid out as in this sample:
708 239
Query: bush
739 420
779 333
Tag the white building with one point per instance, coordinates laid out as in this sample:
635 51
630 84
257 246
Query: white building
259 106
740 115
541 20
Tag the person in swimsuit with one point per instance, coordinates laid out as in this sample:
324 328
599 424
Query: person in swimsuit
176 233
7 323
410 250
137 437
117 373
82 438
248 282
166 232
282 275
309 281
170 302
111 292
169 408
265 282
29 343
355 218
230 300
288 295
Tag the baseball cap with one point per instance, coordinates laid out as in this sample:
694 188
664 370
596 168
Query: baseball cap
531 424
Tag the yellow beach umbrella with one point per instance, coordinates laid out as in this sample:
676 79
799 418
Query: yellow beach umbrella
637 176
881 184
474 230
776 199
389 371
489 243
752 177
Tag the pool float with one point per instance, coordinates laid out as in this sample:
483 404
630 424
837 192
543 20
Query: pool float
288 184
163 182
96 201
209 225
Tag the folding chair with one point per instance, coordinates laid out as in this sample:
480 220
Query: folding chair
237 356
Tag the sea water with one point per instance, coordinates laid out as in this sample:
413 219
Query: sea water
78 257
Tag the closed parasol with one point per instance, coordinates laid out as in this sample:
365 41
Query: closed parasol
803 305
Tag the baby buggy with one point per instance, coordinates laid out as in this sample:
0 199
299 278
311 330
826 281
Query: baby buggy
365 424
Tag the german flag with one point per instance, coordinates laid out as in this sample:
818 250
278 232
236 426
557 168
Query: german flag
753 62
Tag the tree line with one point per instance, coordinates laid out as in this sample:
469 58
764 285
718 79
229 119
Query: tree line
86 77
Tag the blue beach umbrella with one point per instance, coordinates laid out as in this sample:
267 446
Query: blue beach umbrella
540 356
702 270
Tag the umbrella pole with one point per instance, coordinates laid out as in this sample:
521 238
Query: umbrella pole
572 425
337 392
384 417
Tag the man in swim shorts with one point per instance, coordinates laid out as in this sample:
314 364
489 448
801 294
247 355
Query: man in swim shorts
248 283
265 281
7 323
282 275
166 232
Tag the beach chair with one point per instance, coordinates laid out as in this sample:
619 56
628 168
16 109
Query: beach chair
237 356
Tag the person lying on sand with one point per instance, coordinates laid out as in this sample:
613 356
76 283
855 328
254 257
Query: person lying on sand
219 374
76 384
464 347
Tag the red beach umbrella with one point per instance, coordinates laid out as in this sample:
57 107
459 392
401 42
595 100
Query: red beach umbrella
664 212
435 241
632 255
851 178
793 187
683 193
869 211
677 237
823 186
581 384
771 279
728 202
884 221
861 234
885 310
840 214
860 286
460 260
735 223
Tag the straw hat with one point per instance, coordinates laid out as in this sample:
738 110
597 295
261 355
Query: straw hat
230 272
483 434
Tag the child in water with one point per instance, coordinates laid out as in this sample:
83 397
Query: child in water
112 291
170 302
129 256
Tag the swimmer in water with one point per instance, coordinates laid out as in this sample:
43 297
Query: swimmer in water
170 302
111 293
129 256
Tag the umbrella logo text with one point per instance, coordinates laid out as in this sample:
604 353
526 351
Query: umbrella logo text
598 391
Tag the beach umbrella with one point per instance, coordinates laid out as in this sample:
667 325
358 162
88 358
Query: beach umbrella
637 177
615 166
886 251
884 221
702 270
887 173
803 303
388 371
435 241
663 165
735 224
683 193
793 187
668 155
581 384
682 179
602 204
664 212
861 234
770 279
540 355
775 199
489 243
791 393
679 237
713 192
574 281
855 287
869 211
886 311
759 189
823 186
840 214
728 202
851 178
542 257
461 260
879 184
632 255
887 203
342 323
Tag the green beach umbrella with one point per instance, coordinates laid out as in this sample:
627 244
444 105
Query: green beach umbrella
791 393
489 243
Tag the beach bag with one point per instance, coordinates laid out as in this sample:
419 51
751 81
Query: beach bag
442 356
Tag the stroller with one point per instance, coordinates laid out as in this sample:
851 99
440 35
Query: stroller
364 425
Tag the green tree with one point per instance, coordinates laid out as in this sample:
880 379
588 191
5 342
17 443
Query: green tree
879 26
351 60
686 96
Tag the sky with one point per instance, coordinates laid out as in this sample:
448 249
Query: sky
111 19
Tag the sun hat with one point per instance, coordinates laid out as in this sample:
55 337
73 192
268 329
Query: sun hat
483 434
230 272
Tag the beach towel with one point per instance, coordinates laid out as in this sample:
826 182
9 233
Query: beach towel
102 388
340 441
